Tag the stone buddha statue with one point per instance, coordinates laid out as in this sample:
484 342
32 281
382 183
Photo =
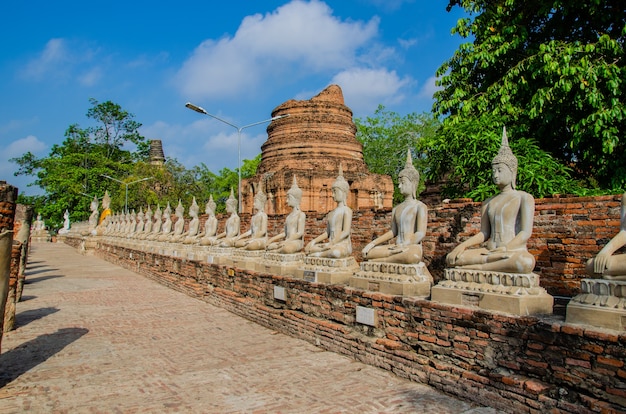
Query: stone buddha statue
147 228
233 223
179 227
141 223
166 229
66 223
106 207
607 264
506 224
256 237
408 224
291 240
157 225
338 229
191 235
208 237
132 224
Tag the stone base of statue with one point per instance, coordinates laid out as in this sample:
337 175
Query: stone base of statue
196 252
41 236
393 278
281 264
327 270
220 255
602 303
247 259
517 294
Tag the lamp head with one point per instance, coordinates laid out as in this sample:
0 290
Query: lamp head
196 108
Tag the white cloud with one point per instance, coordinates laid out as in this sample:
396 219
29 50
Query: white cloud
429 88
22 145
16 149
51 59
91 77
63 60
297 39
365 89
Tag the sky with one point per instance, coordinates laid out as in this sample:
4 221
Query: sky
237 59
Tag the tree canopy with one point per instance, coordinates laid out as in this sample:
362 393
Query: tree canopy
386 136
551 71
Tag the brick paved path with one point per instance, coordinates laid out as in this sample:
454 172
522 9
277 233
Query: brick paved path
92 337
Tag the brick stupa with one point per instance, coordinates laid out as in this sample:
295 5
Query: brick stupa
318 135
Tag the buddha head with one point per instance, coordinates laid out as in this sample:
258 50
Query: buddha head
260 198
194 209
294 193
340 187
505 157
409 176
210 206
231 203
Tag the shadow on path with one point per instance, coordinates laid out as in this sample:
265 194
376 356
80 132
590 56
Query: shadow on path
29 280
46 269
32 353
26 317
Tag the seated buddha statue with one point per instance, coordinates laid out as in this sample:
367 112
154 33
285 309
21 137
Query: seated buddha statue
408 224
338 229
505 227
291 240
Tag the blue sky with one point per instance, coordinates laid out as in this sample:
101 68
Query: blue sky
237 59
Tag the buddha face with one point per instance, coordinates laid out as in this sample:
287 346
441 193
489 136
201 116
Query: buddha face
258 204
231 208
406 186
502 175
291 200
338 194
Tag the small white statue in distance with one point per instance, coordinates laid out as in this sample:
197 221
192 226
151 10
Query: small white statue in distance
339 226
233 223
291 240
210 226
191 235
166 230
506 224
606 264
408 224
179 226
66 223
256 237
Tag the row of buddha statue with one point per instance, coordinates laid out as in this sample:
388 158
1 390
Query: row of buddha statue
492 263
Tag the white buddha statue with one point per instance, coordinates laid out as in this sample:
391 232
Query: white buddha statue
291 240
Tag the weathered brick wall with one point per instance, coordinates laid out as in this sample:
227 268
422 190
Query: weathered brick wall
8 199
516 364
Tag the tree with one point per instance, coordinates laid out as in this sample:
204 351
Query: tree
551 71
71 174
386 136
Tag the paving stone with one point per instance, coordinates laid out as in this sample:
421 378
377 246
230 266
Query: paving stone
92 337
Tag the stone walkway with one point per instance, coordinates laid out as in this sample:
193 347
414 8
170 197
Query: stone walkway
92 337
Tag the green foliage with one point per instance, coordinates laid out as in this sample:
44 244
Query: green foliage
555 70
463 152
386 136
71 174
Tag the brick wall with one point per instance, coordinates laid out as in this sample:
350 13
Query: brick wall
516 364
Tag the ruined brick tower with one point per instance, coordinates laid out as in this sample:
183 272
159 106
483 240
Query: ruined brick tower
318 135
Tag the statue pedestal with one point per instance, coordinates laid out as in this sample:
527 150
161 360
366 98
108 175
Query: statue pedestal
281 264
393 278
220 255
327 270
517 294
247 259
602 303
41 236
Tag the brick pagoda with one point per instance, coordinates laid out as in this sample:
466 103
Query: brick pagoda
318 135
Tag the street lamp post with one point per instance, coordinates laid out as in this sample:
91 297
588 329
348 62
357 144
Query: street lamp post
126 184
239 129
